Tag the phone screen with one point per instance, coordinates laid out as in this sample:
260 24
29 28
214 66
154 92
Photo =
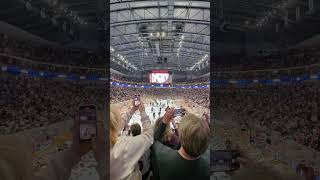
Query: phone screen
87 122
178 112
136 101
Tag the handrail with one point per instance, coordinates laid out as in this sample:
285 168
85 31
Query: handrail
49 64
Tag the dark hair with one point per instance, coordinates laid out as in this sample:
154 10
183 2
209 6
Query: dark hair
135 129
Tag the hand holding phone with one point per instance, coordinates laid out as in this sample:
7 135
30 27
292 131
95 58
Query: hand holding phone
87 122
136 101
168 116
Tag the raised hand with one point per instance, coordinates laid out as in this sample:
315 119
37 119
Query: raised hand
168 116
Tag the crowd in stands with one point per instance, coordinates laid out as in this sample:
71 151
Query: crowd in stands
293 110
119 78
198 96
29 102
196 80
266 74
9 61
55 55
277 60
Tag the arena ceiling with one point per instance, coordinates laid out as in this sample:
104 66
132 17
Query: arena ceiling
134 26
148 35
133 21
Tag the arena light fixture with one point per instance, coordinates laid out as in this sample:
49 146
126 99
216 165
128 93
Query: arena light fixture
158 34
163 34
201 61
124 62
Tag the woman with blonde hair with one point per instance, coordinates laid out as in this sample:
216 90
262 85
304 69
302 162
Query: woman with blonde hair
125 151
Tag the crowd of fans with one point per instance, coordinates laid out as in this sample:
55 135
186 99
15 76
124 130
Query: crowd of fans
29 102
55 55
293 110
157 147
119 78
198 96
266 74
199 80
277 60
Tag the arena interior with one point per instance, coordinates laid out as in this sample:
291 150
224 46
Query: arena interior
160 53
250 68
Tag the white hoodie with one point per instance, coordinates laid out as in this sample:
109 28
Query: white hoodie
127 151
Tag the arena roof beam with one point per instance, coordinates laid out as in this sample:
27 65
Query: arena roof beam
158 4
159 20
189 58
145 7
132 42
189 28
186 47
113 2
158 13
182 33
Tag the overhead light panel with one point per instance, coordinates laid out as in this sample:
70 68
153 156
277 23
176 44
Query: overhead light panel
201 61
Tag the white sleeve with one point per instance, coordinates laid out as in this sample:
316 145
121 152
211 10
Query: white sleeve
137 146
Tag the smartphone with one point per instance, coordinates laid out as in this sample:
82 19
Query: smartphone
136 100
178 112
87 122
223 160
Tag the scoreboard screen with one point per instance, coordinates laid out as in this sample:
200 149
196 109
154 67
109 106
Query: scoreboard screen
160 77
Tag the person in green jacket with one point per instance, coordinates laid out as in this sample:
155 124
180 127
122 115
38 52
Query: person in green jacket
187 163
